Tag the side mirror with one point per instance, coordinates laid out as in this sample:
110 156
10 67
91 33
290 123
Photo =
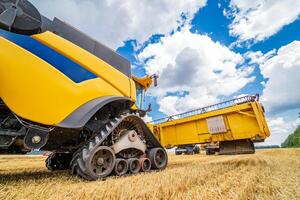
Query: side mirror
143 113
149 109
155 78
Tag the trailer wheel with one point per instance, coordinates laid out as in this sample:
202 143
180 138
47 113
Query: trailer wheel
196 149
209 151
177 152
189 151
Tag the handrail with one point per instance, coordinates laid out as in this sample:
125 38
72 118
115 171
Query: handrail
225 104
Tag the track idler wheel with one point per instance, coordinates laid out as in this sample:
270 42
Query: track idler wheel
158 158
58 161
121 167
134 165
101 162
145 164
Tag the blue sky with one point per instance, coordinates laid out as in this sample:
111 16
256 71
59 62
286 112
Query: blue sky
211 21
204 51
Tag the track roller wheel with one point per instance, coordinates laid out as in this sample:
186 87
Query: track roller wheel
121 167
158 158
134 165
145 164
58 161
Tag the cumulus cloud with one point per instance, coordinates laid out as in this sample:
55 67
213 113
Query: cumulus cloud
281 93
194 71
281 69
280 129
113 21
256 20
258 57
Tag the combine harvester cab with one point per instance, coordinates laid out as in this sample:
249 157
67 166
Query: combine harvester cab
231 127
64 92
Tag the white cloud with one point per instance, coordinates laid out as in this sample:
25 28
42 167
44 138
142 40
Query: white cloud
194 71
113 21
147 118
282 70
280 129
256 20
258 57
281 93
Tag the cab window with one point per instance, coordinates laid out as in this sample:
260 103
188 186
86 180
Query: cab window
139 96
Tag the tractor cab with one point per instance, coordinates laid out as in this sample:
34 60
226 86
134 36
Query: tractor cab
142 85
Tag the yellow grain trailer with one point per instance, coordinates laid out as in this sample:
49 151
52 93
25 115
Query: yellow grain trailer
230 127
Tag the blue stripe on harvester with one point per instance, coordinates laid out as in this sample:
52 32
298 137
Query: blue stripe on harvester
71 69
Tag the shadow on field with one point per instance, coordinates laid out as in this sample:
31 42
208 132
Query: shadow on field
33 176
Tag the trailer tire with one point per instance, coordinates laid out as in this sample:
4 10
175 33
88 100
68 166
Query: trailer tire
196 149
177 153
209 151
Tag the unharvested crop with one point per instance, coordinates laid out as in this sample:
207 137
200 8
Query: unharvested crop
269 174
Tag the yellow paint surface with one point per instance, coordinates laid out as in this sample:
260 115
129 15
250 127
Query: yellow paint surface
36 91
242 121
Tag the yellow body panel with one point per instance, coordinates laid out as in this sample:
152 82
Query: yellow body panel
87 60
36 91
242 121
132 90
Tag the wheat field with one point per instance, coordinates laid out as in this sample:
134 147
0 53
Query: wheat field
269 174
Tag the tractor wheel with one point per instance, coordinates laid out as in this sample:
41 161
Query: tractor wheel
158 158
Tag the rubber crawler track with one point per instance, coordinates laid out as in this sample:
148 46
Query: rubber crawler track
78 163
58 161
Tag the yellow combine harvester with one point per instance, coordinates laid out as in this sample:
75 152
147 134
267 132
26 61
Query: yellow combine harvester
230 127
64 92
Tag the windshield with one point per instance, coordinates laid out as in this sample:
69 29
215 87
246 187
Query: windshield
139 96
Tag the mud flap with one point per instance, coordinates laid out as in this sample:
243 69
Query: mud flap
236 147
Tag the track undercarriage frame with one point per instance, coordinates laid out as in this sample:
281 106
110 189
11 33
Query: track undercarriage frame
105 146
105 154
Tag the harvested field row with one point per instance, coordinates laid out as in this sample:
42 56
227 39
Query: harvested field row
269 174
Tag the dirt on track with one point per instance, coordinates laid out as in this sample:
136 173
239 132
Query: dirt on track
269 174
